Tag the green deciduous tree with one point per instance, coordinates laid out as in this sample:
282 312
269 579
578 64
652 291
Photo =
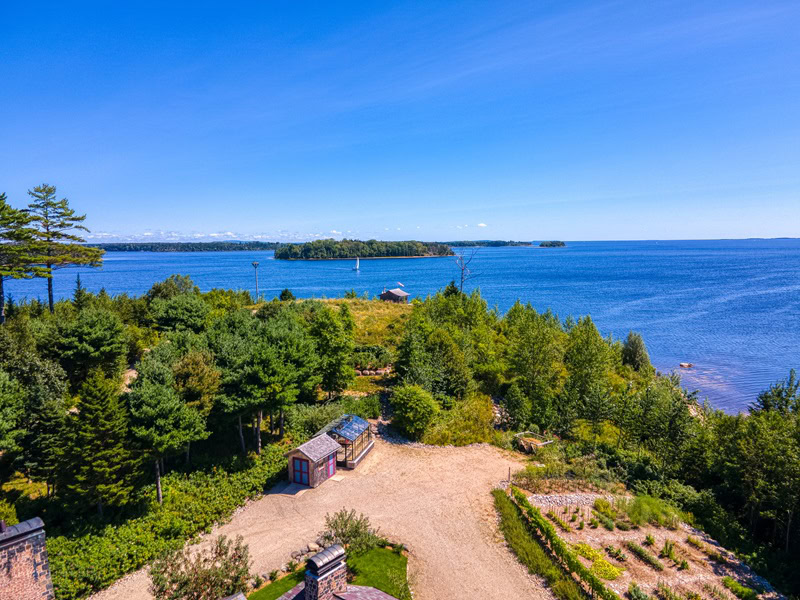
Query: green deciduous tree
518 407
414 410
334 346
102 460
219 571
55 226
634 353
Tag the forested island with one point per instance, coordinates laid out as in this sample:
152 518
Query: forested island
552 244
331 249
230 246
485 243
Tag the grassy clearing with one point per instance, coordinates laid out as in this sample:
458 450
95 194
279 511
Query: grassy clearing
366 385
277 588
377 322
530 553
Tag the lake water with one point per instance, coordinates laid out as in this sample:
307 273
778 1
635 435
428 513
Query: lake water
731 307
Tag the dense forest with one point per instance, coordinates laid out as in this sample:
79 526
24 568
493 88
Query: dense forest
552 244
231 246
327 249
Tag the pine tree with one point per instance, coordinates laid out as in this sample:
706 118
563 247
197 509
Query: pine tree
17 249
55 221
103 462
160 419
80 298
335 347
634 353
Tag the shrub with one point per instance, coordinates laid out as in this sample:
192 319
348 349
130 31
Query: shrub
740 591
580 525
553 517
604 521
604 507
469 421
8 512
715 592
649 540
352 531
713 554
645 556
646 509
616 553
219 571
665 592
623 525
684 566
668 550
606 570
636 593
530 552
273 575
594 523
587 551
414 410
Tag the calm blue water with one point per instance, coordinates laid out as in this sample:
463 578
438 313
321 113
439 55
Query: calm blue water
730 307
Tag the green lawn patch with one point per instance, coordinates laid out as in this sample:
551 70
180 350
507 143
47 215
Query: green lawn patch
278 588
382 569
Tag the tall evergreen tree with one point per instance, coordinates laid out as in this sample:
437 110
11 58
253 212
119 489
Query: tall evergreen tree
12 403
162 422
103 461
634 353
17 249
55 224
80 297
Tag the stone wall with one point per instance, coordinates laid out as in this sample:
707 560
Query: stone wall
24 570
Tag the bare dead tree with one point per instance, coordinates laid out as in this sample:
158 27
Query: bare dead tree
463 259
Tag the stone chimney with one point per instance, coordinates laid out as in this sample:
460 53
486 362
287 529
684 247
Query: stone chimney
326 574
24 570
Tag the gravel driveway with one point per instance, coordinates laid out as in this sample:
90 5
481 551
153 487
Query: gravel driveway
434 500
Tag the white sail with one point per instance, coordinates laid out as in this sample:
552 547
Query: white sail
356 267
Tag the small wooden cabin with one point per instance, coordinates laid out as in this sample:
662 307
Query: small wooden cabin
313 462
395 295
353 436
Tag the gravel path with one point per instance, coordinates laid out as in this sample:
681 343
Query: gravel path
434 500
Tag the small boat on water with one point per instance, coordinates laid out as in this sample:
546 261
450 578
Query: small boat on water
356 268
686 365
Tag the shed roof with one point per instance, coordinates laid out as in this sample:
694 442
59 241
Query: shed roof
319 447
398 292
347 426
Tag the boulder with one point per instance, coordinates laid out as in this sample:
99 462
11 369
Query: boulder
314 547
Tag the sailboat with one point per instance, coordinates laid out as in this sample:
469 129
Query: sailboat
356 268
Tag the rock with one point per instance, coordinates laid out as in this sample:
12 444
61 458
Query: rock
314 547
296 554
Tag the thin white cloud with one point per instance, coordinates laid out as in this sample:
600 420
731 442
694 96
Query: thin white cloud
482 225
334 232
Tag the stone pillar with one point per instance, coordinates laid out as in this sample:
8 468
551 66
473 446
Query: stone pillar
24 570
326 574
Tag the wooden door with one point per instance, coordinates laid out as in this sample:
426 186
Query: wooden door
331 465
300 468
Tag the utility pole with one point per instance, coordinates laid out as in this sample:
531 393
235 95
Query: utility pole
255 266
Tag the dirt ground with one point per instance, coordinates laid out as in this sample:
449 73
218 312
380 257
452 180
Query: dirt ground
434 500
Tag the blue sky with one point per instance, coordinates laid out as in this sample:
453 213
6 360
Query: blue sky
428 120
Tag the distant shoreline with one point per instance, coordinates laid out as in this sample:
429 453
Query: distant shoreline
365 257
